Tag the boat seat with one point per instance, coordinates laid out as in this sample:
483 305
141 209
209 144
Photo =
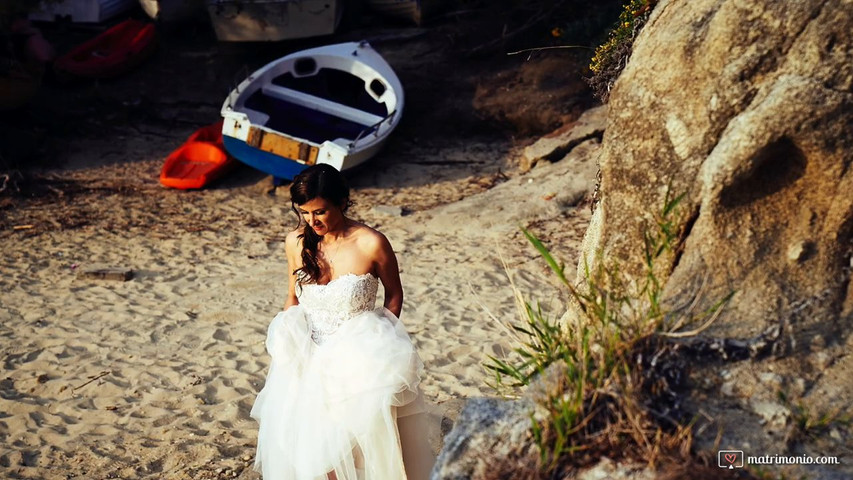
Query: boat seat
256 117
324 105
316 123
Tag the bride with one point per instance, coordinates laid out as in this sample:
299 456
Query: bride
341 400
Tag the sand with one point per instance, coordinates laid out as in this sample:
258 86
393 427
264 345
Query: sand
155 377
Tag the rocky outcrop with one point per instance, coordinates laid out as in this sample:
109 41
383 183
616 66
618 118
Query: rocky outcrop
745 108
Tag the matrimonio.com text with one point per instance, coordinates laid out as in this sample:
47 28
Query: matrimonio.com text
735 459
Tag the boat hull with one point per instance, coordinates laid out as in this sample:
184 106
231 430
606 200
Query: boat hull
279 122
273 20
201 160
81 11
275 165
288 168
172 10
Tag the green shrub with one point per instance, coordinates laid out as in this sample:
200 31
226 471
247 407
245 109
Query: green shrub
597 383
611 57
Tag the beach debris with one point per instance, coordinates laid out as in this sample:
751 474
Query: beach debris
92 379
107 273
6 179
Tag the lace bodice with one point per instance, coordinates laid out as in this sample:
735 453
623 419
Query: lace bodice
328 306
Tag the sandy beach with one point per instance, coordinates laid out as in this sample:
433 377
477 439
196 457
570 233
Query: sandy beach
154 377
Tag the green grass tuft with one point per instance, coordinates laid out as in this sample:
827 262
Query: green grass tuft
591 363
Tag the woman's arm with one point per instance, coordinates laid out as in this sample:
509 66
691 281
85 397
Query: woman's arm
389 273
291 250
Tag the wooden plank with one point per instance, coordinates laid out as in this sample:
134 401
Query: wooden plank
255 136
282 146
107 273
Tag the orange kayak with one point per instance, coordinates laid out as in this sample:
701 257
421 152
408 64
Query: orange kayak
199 161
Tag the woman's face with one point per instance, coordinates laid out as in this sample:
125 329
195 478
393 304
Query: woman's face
321 215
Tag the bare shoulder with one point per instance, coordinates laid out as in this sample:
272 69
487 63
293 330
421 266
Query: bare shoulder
371 240
292 242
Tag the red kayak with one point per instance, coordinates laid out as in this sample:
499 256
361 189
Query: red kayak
199 161
112 53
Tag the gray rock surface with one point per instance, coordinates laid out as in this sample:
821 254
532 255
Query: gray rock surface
492 439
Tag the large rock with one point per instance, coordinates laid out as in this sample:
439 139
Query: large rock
491 439
744 107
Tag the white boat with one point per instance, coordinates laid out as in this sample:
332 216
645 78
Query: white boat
335 104
80 11
273 20
172 10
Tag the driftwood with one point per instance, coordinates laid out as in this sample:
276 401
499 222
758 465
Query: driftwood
107 273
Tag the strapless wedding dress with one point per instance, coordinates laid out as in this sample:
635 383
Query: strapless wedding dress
341 390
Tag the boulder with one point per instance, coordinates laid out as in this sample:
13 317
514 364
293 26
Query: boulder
491 439
744 108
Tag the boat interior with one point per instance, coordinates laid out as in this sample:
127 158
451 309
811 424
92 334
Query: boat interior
331 104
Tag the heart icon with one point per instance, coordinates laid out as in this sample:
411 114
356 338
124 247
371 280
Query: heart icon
731 457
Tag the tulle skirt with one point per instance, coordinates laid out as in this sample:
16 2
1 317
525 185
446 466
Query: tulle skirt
342 406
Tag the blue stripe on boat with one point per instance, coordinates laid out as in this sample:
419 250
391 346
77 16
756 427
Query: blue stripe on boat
266 162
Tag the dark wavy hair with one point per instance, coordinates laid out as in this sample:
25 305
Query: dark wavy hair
317 181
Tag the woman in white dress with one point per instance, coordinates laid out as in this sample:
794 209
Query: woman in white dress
341 400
